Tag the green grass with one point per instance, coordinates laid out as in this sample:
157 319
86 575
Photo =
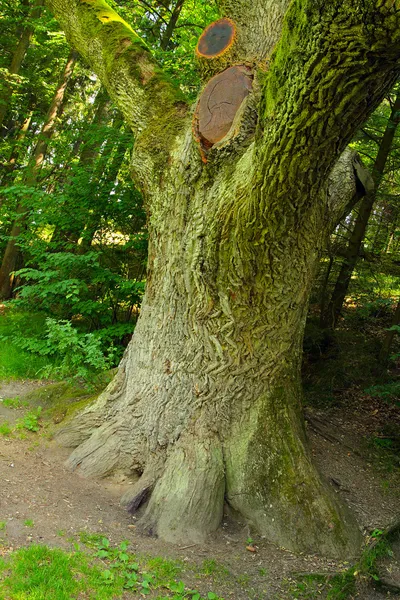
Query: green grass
39 572
5 429
14 402
29 523
30 421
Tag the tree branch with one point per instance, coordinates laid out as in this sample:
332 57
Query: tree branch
259 24
122 61
332 65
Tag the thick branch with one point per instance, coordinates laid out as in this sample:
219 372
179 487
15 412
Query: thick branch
333 64
122 61
260 29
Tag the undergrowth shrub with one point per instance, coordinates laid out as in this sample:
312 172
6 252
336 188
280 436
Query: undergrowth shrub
73 354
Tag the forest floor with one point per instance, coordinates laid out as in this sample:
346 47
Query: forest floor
41 502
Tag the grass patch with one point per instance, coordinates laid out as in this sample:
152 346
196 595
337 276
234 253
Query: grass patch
39 572
14 403
143 574
29 523
5 429
30 421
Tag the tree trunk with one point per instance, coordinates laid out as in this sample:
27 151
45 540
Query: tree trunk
17 59
12 249
206 405
357 236
11 163
169 30
211 406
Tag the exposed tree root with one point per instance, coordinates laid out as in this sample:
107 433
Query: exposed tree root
187 501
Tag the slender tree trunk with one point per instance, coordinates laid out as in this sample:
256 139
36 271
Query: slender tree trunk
104 189
169 30
17 59
355 242
11 251
11 164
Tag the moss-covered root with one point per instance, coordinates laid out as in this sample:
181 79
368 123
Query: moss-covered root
187 501
271 481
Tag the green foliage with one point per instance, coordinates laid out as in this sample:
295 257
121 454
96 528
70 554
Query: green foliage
390 392
14 361
14 402
142 577
36 346
5 429
69 285
29 523
39 572
30 421
74 354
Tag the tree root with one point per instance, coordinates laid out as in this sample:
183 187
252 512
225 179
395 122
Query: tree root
187 501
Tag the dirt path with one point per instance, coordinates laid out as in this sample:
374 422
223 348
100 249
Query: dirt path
43 502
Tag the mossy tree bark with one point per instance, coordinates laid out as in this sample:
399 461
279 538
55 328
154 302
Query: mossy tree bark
206 405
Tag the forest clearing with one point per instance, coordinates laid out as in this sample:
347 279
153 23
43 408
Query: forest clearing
199 299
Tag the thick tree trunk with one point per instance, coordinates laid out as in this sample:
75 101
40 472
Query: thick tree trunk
11 251
364 212
209 407
206 405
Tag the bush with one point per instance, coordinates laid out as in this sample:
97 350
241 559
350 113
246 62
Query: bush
73 354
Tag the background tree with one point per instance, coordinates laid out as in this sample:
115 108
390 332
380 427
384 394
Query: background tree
362 218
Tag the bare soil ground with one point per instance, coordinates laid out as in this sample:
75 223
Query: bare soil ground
36 487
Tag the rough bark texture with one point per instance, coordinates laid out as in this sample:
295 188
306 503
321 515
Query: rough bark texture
206 405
